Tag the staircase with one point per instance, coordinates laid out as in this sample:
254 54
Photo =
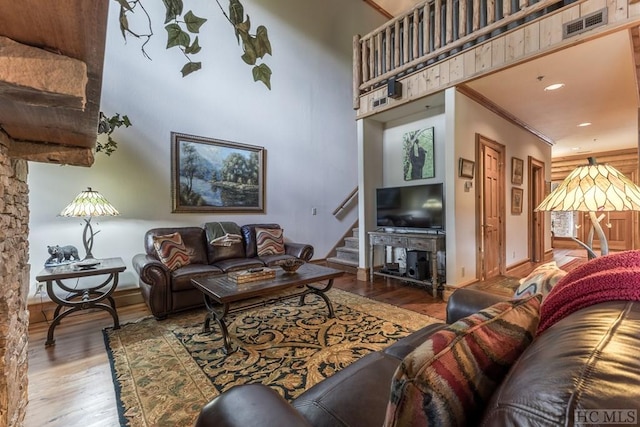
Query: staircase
346 256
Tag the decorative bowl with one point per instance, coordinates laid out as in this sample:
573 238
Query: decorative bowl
291 265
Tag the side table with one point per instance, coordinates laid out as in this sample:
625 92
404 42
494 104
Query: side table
82 298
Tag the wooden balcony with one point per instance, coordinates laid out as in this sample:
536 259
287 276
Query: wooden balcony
442 43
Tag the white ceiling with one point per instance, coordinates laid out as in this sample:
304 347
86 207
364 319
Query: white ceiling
600 87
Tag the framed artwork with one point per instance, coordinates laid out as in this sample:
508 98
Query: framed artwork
418 154
516 200
517 168
466 168
211 175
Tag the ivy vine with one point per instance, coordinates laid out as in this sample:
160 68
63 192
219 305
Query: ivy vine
182 27
106 126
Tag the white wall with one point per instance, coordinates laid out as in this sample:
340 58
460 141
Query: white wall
471 119
306 123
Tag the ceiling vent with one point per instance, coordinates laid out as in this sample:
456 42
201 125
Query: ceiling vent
585 23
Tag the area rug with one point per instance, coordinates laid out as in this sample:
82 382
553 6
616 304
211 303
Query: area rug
165 371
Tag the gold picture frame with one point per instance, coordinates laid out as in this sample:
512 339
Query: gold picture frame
517 195
466 168
205 177
517 170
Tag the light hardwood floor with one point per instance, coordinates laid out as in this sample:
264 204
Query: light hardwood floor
70 383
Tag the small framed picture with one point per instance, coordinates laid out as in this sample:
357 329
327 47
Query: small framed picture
517 167
466 168
516 200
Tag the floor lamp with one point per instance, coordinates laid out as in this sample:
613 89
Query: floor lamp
88 204
594 188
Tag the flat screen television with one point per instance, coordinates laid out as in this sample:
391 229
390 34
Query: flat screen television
411 207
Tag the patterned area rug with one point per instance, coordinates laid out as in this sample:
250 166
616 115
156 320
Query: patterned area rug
165 371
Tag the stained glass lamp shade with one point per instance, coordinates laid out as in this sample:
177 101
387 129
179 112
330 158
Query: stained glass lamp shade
88 204
594 188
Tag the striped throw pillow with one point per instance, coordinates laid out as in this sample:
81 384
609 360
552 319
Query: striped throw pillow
540 281
269 241
172 251
449 379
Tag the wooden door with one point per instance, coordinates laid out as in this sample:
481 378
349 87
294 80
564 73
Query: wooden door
536 219
492 257
617 228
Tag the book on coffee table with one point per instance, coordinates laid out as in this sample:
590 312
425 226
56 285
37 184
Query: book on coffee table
252 275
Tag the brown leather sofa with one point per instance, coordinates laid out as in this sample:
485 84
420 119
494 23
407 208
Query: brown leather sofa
167 292
581 370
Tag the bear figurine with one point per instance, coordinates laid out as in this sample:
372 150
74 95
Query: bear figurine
58 254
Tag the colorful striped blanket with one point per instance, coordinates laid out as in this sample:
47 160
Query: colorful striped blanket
608 278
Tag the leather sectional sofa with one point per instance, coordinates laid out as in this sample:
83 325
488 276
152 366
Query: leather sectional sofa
168 291
583 370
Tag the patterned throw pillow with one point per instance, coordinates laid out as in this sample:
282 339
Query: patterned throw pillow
269 241
449 379
540 280
172 251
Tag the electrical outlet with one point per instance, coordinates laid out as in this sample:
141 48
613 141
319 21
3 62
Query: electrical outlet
462 271
314 211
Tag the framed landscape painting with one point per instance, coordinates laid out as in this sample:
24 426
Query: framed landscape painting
211 175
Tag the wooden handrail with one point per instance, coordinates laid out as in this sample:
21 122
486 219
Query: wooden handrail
346 201
429 32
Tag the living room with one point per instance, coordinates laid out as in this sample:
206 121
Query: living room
307 114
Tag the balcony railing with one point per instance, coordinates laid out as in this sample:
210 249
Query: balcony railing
432 31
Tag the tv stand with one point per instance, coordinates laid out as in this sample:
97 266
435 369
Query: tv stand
428 242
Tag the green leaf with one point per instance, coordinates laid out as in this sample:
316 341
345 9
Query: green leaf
124 23
193 22
190 67
194 48
126 121
262 72
176 37
173 8
244 27
248 45
124 4
236 15
262 44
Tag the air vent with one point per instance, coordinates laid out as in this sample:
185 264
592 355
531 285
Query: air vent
586 23
380 101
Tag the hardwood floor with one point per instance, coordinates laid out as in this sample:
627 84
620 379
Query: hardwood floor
70 383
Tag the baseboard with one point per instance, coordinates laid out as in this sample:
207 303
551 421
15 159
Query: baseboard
42 311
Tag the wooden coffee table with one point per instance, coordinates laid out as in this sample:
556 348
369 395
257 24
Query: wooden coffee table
220 292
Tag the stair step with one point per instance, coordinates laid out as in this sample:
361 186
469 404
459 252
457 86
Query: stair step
355 232
349 254
342 264
351 242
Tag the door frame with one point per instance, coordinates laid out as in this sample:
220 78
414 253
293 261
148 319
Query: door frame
481 142
537 191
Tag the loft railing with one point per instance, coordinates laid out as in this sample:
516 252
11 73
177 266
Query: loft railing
432 31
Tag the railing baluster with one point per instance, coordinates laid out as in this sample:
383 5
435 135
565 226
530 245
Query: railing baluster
379 69
357 71
426 17
416 34
491 11
462 18
387 48
476 15
370 57
396 47
405 40
449 22
437 25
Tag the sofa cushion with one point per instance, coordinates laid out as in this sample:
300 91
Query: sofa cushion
269 241
171 250
249 235
181 278
540 280
450 378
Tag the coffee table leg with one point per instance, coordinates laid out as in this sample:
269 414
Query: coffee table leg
214 313
322 294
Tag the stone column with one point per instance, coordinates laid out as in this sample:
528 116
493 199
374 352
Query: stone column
14 287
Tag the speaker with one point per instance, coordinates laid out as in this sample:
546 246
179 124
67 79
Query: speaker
394 88
417 265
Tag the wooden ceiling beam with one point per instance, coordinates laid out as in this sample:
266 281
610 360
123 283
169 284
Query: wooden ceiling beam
50 153
34 76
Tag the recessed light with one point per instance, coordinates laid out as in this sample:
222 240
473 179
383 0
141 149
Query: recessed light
554 86
581 125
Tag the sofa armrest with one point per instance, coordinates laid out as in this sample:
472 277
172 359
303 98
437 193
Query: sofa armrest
154 283
299 250
464 302
247 406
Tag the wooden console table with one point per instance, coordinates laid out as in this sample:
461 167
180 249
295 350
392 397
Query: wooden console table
428 242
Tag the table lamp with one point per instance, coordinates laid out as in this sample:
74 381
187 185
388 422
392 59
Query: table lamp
88 204
594 188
